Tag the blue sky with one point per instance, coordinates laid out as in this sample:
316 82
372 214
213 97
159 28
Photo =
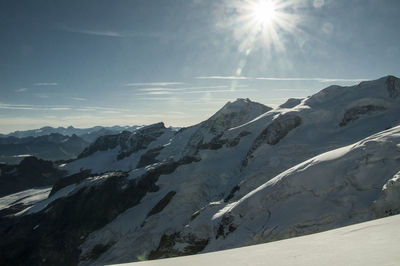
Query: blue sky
126 62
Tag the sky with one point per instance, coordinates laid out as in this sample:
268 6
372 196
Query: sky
135 62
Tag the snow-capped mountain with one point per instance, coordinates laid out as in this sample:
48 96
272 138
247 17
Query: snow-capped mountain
249 174
88 134
29 173
49 147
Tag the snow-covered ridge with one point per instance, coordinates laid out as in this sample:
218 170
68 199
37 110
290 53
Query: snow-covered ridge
355 183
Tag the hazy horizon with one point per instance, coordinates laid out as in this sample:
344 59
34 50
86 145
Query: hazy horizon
177 61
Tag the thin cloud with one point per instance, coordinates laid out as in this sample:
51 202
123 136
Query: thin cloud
78 99
191 90
161 84
21 90
116 34
110 112
224 77
160 89
46 84
216 91
58 108
324 80
93 32
159 92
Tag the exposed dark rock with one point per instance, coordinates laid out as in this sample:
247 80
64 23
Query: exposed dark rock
231 115
13 209
194 215
393 86
162 203
279 128
166 247
275 132
149 157
234 142
129 142
31 172
226 226
232 193
69 180
99 249
355 112
215 144
290 103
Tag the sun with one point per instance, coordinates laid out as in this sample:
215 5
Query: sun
263 23
264 12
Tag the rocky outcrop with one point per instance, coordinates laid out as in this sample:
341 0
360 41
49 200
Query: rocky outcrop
233 114
149 157
354 113
225 226
69 180
393 86
31 172
278 129
388 203
129 142
162 203
290 103
274 132
168 246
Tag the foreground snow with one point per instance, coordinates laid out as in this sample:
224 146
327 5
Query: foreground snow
369 243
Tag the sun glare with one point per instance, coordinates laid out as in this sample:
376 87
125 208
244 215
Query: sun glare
264 12
263 23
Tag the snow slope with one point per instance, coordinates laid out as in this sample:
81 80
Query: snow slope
355 183
364 244
27 197
221 202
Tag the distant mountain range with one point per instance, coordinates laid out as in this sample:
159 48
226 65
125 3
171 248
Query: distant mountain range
249 174
52 143
30 173
88 134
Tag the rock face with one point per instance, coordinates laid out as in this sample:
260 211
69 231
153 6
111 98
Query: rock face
393 86
31 172
161 193
208 133
129 142
274 132
355 112
278 129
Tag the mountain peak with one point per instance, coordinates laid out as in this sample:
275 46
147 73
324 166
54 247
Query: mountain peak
240 105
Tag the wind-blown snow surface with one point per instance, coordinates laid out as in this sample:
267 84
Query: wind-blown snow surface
245 176
364 244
